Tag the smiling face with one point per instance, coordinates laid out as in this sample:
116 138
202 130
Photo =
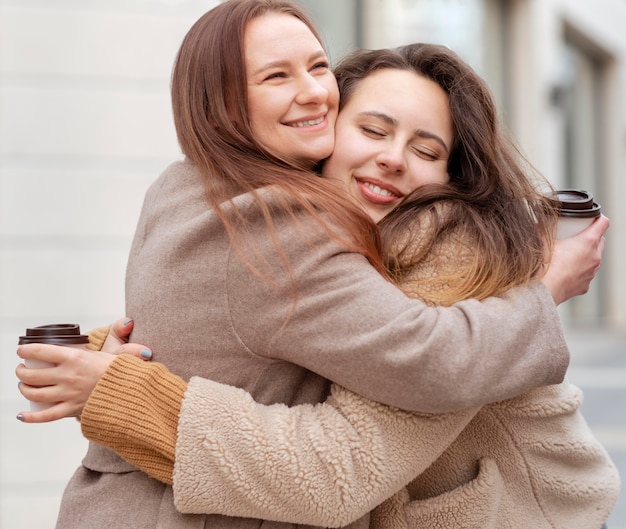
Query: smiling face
393 135
292 94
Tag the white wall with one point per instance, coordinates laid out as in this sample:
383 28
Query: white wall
85 126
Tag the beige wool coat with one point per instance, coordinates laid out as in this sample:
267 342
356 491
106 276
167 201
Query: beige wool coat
349 326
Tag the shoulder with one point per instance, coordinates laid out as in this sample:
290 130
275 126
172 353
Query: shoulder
177 175
435 252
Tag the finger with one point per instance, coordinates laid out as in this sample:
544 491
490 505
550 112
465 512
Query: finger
51 354
39 394
122 328
599 226
36 378
54 413
135 349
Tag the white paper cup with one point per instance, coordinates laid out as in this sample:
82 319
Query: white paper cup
578 211
65 334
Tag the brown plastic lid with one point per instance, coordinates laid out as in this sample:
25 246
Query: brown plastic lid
577 203
58 334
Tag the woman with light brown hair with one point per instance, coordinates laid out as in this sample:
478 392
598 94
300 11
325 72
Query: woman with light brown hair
271 286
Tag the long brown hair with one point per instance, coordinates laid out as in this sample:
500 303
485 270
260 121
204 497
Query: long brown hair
209 98
494 197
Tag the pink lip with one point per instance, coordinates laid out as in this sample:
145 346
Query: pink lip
375 198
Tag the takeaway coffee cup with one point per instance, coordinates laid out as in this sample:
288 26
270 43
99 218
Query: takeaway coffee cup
578 210
66 334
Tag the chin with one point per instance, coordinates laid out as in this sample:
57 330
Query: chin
320 154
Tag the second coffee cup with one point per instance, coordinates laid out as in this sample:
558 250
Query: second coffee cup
577 211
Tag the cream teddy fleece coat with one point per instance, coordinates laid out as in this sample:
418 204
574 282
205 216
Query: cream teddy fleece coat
527 462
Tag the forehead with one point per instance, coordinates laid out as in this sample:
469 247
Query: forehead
408 100
401 92
278 36
387 84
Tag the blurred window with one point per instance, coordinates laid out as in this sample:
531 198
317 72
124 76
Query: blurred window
580 97
339 23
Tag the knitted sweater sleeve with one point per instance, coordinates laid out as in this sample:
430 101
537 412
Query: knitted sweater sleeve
97 337
134 411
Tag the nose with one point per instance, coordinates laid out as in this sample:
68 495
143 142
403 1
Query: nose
392 159
310 90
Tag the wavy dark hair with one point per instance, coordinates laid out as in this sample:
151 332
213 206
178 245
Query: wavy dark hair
494 196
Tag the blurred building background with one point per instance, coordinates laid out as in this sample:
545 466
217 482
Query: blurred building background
85 126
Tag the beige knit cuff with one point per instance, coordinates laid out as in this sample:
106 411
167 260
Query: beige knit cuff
97 338
134 411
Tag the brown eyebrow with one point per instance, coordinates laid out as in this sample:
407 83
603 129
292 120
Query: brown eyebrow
283 64
420 133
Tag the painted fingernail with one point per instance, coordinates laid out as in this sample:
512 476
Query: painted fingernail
126 322
19 383
20 417
146 353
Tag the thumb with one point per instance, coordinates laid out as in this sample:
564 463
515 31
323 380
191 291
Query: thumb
135 349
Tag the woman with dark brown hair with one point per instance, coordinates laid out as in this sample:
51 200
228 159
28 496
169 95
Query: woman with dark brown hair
275 286
529 461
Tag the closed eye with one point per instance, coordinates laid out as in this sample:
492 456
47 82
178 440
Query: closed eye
369 131
426 153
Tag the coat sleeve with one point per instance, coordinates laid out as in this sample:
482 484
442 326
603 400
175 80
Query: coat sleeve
325 465
334 315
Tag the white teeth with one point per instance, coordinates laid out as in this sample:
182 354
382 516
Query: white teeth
308 122
379 190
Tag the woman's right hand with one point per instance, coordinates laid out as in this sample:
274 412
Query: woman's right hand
575 262
66 385
75 372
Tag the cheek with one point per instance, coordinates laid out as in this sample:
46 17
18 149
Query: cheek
260 131
261 122
444 177
330 84
351 148
428 173
340 162
264 108
254 116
